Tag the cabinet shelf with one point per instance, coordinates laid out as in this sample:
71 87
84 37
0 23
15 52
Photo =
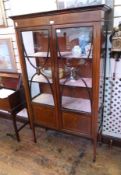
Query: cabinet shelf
40 78
44 99
61 54
77 104
70 55
76 83
38 54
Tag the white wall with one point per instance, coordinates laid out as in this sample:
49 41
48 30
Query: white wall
112 112
9 32
16 7
31 6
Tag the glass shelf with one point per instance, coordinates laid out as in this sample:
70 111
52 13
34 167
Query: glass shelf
71 55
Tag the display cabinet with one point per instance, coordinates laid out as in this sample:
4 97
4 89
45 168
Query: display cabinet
61 60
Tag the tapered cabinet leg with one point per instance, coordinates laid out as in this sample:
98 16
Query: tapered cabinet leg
94 149
34 134
32 125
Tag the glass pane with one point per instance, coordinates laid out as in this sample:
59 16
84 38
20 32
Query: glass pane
75 53
38 63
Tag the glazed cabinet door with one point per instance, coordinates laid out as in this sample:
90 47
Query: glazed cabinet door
74 48
39 69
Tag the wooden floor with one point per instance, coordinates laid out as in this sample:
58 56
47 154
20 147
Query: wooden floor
54 154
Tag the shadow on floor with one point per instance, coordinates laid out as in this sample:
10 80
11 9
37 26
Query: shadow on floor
53 154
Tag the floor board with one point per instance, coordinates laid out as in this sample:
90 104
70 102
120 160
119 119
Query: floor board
53 154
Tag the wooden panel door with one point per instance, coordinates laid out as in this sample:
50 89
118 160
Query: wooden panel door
76 59
38 58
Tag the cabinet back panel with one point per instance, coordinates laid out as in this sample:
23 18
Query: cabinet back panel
77 92
45 88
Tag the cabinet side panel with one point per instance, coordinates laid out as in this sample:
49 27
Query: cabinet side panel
96 77
102 74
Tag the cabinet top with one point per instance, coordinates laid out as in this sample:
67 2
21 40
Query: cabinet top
63 11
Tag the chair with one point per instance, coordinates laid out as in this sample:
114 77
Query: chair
12 99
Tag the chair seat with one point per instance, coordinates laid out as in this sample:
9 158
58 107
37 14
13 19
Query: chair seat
4 93
22 113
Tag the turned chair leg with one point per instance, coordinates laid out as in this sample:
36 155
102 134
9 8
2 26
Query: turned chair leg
15 127
94 149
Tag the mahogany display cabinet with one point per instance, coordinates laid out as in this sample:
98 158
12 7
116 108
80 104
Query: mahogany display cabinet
62 55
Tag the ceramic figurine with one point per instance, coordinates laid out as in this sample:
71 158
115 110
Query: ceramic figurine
76 51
